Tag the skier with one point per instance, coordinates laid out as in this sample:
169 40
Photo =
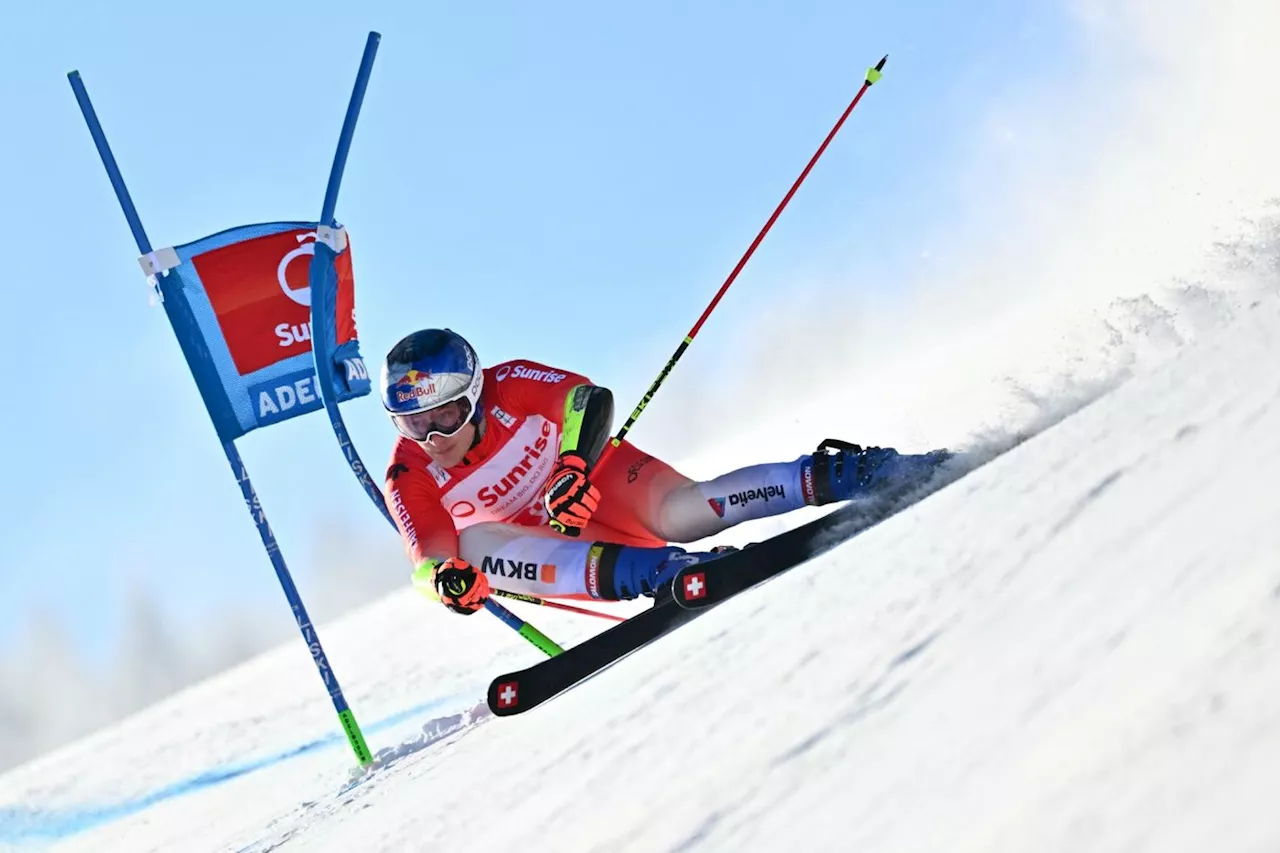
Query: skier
492 484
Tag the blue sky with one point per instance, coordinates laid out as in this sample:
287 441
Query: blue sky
568 183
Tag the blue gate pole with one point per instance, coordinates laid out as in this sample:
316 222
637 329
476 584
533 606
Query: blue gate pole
324 260
309 636
321 263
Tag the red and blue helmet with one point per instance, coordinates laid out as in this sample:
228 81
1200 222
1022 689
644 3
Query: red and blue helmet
431 382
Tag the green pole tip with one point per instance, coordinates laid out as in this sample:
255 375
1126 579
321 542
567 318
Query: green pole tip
873 74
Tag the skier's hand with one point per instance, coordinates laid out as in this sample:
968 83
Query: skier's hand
461 588
570 498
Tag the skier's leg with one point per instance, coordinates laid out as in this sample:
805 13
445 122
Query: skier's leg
538 561
645 503
644 494
633 489
532 560
640 494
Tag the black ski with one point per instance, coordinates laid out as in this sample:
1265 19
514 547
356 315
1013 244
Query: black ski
695 589
519 691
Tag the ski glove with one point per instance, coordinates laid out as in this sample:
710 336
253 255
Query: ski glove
570 498
461 588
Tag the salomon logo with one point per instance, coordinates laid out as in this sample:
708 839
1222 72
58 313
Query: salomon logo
594 556
806 483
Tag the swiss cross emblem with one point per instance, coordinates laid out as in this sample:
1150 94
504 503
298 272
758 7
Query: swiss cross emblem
695 586
508 694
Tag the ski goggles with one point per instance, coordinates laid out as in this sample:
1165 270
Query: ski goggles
445 420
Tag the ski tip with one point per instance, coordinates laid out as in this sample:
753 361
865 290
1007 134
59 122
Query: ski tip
504 696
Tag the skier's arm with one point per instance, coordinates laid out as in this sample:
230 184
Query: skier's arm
584 413
570 498
431 541
582 410
425 526
588 418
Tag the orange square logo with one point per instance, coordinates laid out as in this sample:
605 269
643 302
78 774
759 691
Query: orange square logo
548 574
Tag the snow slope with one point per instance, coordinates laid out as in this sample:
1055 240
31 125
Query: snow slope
1075 646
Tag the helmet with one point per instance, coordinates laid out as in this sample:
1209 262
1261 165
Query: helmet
431 383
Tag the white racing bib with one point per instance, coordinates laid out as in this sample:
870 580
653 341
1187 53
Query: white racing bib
508 486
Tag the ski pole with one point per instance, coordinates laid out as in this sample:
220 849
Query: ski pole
540 640
422 581
533 599
873 75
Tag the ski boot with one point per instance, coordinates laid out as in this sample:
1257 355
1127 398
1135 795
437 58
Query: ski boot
627 572
843 471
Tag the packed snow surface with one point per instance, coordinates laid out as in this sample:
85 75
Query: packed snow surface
1075 646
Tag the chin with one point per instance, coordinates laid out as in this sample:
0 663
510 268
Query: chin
447 458
451 455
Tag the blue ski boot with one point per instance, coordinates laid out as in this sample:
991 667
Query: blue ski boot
623 572
843 471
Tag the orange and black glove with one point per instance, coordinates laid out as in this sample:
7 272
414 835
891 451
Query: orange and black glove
570 498
461 588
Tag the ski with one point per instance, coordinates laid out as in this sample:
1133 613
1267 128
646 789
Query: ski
703 585
695 589
516 692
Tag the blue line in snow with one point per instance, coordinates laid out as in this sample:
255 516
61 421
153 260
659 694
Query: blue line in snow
20 824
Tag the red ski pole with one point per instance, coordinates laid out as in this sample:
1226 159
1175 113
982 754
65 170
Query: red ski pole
556 605
873 75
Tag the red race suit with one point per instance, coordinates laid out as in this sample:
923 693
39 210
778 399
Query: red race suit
502 477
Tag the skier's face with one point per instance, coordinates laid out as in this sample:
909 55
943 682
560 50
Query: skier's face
448 452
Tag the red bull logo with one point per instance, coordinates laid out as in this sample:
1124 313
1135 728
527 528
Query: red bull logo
416 384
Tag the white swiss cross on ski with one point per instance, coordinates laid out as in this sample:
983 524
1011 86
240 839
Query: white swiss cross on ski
695 586
508 694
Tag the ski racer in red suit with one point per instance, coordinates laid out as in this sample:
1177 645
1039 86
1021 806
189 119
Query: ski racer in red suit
492 484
